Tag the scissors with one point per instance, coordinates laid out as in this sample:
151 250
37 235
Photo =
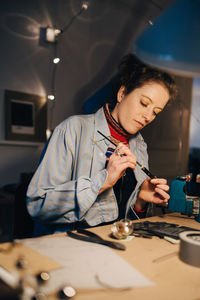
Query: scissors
89 236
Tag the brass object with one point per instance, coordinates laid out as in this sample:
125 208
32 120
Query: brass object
121 229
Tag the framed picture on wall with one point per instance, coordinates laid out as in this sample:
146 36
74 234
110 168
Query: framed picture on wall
25 117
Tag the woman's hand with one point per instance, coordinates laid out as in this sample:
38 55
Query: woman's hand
118 162
154 191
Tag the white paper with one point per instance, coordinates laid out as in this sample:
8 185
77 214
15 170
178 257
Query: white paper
86 265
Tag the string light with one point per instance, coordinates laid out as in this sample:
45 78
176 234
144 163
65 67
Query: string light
56 60
150 22
85 5
53 35
51 97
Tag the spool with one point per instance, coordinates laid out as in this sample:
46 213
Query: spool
190 247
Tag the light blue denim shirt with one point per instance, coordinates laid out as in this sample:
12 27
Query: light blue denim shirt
65 187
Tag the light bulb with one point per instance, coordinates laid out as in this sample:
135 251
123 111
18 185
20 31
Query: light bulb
150 22
57 31
51 97
85 5
56 60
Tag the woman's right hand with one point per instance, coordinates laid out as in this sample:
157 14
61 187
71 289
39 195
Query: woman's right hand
118 162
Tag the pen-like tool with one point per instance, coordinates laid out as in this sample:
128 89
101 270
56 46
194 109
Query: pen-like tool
145 170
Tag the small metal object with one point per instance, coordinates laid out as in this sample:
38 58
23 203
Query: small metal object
42 277
66 292
198 178
188 177
117 152
121 229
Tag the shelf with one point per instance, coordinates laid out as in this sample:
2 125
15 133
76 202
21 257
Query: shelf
20 143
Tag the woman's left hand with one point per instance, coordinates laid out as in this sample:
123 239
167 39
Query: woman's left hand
154 191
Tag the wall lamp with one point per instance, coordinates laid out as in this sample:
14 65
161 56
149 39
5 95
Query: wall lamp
50 34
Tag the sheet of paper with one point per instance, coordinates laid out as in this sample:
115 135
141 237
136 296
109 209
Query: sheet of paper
86 265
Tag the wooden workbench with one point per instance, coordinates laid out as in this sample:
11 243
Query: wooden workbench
155 258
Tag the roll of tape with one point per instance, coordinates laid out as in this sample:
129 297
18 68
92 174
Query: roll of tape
190 247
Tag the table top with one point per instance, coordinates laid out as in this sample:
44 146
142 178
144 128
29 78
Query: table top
157 259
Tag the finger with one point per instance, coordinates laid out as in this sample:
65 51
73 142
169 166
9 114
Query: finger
163 187
125 150
119 164
162 193
160 201
158 181
117 156
128 164
165 201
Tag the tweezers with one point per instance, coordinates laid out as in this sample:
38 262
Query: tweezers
89 236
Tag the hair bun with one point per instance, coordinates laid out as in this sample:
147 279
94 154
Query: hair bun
133 73
130 63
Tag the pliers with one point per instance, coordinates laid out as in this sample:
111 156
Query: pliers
88 236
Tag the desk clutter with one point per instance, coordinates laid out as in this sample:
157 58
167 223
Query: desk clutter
19 285
65 266
185 195
190 247
22 270
149 229
80 265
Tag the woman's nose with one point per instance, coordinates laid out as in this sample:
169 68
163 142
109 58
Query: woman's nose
148 115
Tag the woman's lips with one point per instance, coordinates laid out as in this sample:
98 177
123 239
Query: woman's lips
139 124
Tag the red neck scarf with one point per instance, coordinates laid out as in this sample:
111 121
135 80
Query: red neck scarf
118 134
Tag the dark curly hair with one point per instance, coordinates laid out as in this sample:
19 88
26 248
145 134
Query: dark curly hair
133 74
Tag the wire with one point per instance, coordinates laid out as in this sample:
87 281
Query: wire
71 21
53 78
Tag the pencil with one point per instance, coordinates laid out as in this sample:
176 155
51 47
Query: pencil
145 170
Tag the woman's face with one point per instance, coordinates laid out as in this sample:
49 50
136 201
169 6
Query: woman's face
140 107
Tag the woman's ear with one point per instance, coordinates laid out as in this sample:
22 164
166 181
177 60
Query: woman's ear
120 94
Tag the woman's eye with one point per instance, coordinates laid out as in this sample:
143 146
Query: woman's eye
144 103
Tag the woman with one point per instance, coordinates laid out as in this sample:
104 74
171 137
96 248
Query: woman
83 180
